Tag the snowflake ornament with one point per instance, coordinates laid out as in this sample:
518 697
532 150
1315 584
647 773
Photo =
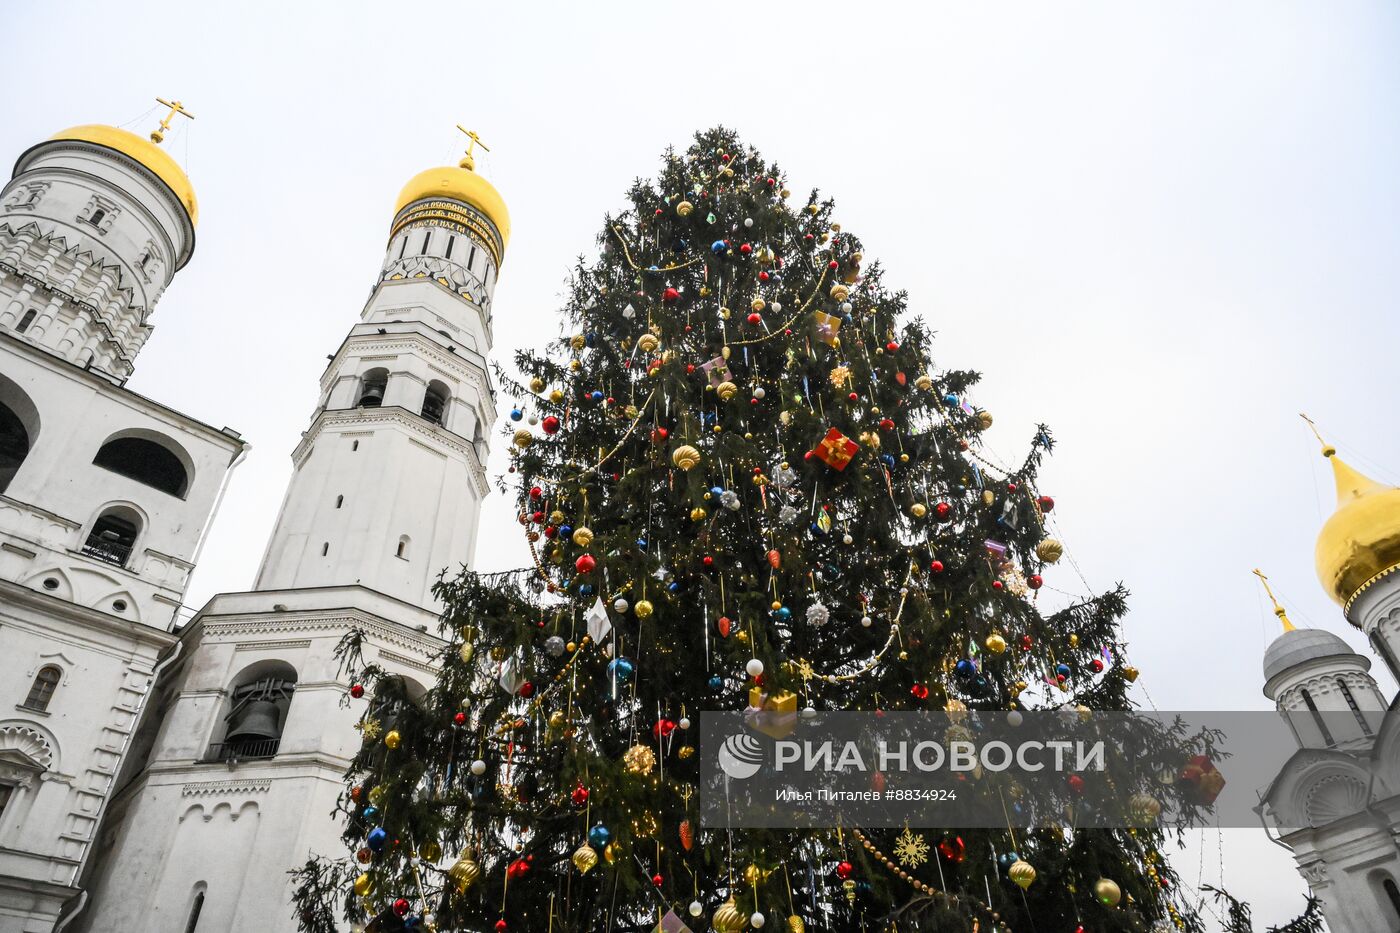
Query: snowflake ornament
911 850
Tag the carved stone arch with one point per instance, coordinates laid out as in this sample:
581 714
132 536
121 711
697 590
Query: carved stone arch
64 589
26 751
1333 797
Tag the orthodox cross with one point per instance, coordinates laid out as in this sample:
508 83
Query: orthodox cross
468 161
1278 610
158 134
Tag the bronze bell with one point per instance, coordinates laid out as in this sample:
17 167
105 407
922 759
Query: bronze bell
257 720
373 396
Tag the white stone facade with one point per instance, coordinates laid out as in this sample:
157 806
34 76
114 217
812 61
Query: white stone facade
105 497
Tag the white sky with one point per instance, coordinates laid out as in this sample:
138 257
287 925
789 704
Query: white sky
1163 229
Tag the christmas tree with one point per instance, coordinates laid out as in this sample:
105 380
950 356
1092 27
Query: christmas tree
744 483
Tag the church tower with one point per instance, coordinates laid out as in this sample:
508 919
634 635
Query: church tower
1336 803
105 495
234 782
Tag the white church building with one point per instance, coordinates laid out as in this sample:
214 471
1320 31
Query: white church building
1336 803
165 777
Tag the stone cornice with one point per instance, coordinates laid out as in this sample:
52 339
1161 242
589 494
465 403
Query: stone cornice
295 623
213 788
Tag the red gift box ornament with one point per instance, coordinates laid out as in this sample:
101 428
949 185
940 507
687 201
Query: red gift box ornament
835 450
1202 779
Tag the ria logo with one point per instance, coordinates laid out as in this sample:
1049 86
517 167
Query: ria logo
741 756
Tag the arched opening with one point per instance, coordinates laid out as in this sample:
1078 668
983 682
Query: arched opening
149 461
19 429
394 698
372 387
97 217
196 907
401 551
25 321
113 535
435 402
1317 718
1355 710
1392 894
42 690
257 712
339 501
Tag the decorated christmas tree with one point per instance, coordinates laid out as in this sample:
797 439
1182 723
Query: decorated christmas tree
744 483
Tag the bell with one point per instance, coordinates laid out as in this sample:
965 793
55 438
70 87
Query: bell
373 396
257 721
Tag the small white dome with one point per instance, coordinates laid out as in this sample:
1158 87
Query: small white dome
1302 645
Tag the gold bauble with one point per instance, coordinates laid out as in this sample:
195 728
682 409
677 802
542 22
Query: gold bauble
840 292
639 759
995 643
729 918
984 420
498 652
918 510
576 365
698 514
557 719
785 193
1021 872
363 886
648 343
988 497
685 752
464 872
1107 892
376 794
1020 686
1073 640
583 537
537 385
726 391
1049 550
523 438
1130 673
644 609
585 858
795 924
923 383
465 653
430 851
556 396
758 304
1144 809
684 208
870 439
578 341
392 738
685 457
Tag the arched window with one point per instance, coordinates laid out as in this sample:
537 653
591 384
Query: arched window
1355 710
372 388
394 698
196 907
19 429
258 705
1317 718
339 501
113 535
1392 894
97 216
402 549
42 690
25 321
435 402
147 461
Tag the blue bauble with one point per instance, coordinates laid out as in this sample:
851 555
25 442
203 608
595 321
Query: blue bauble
673 587
642 543
1006 859
566 531
887 460
1062 670
716 684
718 247
966 668
376 839
621 668
412 922
782 613
596 395
653 269
951 399
369 814
716 491
516 414
585 589
599 836
590 339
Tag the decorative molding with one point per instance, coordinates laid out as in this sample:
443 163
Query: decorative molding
372 626
213 788
397 658
31 743
263 645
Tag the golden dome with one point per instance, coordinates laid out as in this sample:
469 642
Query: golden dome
144 151
458 183
1361 541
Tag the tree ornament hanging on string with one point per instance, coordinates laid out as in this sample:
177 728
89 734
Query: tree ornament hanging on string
1107 892
685 457
1022 873
639 759
817 614
585 858
1049 550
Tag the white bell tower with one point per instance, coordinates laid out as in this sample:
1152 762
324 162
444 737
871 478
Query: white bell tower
232 786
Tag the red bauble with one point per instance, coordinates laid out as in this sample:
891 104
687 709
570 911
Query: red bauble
772 182
1027 643
997 584
936 566
356 793
755 318
519 868
527 690
919 691
844 869
707 560
670 296
550 425
537 518
550 531
460 719
763 276
1076 783
952 848
891 346
887 424
833 264
725 626
662 729
657 880
585 563
357 690
1046 504
745 248
1096 666
853 396
943 511
401 906
1010 487
536 492
1035 581
659 435
365 856
501 926
579 796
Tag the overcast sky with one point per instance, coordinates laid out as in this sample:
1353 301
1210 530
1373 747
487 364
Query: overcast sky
1164 230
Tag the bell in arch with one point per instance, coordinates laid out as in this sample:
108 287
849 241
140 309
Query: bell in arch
256 715
373 395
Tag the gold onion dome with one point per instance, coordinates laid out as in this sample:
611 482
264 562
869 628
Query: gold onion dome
154 158
459 183
1360 543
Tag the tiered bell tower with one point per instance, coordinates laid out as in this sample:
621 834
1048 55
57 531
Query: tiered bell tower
234 783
